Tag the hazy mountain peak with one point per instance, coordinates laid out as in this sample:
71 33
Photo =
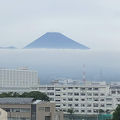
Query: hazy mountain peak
55 40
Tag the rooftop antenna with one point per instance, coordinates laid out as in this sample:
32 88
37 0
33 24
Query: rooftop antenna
84 73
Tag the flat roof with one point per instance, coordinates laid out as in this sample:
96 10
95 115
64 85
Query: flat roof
14 100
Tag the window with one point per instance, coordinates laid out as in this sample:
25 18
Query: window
89 94
76 87
90 89
70 99
82 105
50 93
50 88
118 92
82 94
76 110
96 99
76 105
113 92
70 105
47 118
70 93
57 105
57 100
89 99
95 111
102 94
64 88
89 105
118 99
89 111
64 104
102 105
76 94
82 88
47 109
95 88
82 111
7 109
95 94
57 90
64 110
95 105
15 109
109 105
70 87
76 99
24 110
102 99
108 99
57 95
82 99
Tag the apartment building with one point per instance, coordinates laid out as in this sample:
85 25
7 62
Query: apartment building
3 114
28 109
83 98
18 78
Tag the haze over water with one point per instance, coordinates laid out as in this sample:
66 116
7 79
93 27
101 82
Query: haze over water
55 63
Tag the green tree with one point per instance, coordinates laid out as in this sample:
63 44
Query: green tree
101 111
37 95
71 112
34 94
116 113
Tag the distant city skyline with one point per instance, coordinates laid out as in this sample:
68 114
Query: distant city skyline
93 23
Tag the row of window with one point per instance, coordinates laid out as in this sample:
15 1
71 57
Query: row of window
83 99
76 99
115 92
17 109
84 111
88 105
82 88
77 94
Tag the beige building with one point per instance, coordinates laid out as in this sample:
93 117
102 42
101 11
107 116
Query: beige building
29 109
3 114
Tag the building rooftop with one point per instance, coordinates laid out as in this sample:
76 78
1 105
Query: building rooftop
16 100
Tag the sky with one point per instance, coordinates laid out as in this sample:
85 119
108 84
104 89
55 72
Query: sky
94 23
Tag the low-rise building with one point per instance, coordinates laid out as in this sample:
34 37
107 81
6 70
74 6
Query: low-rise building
28 109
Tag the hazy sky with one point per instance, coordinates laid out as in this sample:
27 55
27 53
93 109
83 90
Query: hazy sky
95 23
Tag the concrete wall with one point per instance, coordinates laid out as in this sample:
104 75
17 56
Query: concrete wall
41 113
3 114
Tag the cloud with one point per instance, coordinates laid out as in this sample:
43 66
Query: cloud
94 23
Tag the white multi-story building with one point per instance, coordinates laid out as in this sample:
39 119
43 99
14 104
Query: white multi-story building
83 98
18 78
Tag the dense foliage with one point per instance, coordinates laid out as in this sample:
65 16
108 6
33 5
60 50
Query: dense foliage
34 94
71 111
116 114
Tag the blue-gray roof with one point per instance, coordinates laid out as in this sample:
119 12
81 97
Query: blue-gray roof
16 100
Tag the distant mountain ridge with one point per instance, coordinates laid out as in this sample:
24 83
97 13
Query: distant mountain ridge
55 40
9 47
